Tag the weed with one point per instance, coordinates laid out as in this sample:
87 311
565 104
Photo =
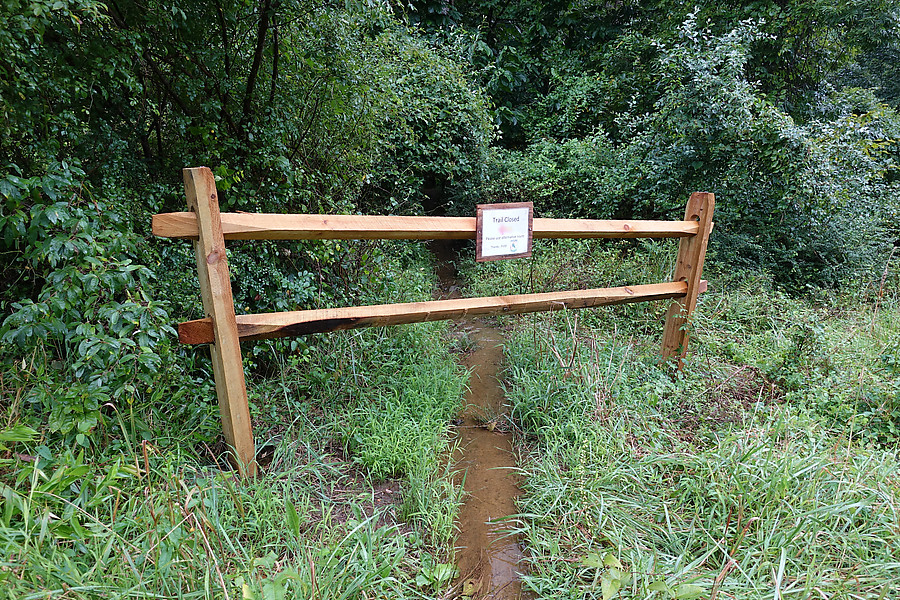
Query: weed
148 510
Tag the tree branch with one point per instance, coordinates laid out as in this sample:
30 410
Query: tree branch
223 33
261 32
275 44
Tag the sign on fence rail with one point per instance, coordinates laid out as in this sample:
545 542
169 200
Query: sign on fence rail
503 230
223 330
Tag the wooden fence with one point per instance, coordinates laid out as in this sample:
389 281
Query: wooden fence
223 330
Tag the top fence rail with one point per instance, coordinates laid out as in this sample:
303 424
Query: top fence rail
256 226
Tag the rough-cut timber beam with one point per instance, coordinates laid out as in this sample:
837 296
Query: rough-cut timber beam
689 269
252 226
218 304
285 324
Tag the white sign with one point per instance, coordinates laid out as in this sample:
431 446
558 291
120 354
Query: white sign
504 231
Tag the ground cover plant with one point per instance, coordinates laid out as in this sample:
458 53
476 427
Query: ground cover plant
354 497
768 466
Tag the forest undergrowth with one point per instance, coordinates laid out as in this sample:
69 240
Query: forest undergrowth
766 467
354 499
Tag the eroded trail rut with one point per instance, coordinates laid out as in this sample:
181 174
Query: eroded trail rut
487 555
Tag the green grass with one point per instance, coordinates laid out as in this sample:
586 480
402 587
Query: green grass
397 423
766 469
161 523
773 510
356 502
76 530
766 503
621 461
558 265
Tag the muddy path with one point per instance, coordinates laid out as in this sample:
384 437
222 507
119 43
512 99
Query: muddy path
488 557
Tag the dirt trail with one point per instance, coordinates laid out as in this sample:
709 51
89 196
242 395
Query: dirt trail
488 558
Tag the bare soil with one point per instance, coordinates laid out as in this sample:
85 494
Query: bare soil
488 556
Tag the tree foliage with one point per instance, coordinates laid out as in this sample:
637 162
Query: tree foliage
741 99
297 106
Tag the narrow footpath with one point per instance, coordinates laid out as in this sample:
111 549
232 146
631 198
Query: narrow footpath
487 555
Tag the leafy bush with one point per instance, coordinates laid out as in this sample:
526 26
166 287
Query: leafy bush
295 116
438 128
584 100
786 200
87 330
789 195
573 178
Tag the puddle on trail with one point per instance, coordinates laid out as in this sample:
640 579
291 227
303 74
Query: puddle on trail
487 556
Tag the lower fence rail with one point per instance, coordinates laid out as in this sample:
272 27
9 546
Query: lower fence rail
266 326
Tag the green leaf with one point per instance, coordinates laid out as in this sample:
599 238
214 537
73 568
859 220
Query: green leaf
609 587
293 519
80 531
687 591
18 433
610 560
273 590
659 586
444 572
593 561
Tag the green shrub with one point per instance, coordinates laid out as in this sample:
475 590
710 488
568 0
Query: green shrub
85 329
573 178
813 203
437 129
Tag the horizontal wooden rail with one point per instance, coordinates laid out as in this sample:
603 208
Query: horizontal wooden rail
284 324
252 226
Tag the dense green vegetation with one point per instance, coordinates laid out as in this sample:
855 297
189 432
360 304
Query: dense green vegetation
767 468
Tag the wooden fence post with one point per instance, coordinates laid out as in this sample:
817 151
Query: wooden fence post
688 268
215 287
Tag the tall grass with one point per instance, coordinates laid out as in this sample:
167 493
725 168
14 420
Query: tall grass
764 503
156 527
397 424
767 469
354 503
